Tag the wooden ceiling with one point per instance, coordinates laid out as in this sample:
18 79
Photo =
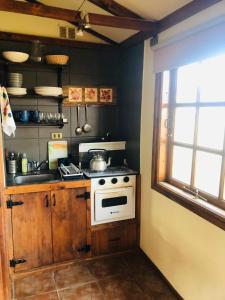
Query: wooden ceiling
121 22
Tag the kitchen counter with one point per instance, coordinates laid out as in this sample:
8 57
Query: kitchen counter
56 184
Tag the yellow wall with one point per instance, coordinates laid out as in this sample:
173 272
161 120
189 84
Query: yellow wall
188 250
25 24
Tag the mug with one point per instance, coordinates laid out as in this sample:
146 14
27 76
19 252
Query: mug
24 116
16 115
34 116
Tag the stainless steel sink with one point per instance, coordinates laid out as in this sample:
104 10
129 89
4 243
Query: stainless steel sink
34 178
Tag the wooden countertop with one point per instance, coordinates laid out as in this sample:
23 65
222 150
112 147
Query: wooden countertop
41 187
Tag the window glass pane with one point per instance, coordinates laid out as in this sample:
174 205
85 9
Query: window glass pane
165 89
184 125
211 127
212 76
207 172
187 83
181 165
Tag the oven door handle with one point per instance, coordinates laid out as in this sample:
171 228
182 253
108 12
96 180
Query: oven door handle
114 191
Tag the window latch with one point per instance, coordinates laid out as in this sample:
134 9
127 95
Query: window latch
195 193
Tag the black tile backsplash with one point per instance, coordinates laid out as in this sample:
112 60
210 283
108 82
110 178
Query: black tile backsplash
87 67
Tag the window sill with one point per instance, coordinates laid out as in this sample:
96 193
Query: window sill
202 208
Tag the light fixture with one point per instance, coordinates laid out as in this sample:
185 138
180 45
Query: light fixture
80 31
87 22
84 23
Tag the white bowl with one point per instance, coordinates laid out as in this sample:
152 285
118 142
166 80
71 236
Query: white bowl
11 75
48 91
16 91
15 84
49 88
14 56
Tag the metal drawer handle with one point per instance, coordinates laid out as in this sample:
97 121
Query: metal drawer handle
114 240
54 200
46 201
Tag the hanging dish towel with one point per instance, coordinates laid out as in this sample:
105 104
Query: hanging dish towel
8 123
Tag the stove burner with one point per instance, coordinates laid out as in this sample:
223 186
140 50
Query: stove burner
110 171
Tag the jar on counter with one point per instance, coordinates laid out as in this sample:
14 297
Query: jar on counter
12 163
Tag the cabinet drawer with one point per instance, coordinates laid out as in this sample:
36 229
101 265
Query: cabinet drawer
114 239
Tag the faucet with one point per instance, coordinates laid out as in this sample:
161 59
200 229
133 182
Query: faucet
36 167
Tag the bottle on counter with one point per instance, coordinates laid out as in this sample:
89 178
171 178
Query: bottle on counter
12 163
24 163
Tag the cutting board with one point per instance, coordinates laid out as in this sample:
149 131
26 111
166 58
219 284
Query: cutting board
56 150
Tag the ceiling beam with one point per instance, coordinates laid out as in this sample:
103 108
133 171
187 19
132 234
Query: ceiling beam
185 12
89 30
74 16
7 36
172 19
101 36
135 39
115 8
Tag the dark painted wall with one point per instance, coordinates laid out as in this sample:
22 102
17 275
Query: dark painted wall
87 67
121 68
131 96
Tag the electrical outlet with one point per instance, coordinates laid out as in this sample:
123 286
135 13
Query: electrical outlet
56 135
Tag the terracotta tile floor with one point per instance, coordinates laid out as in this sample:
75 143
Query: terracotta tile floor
123 277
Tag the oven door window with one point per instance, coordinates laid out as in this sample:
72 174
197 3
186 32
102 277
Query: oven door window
117 204
109 202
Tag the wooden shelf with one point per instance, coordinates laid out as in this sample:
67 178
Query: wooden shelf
32 65
59 124
33 95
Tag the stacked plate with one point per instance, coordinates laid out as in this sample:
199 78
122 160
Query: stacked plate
48 91
15 80
16 91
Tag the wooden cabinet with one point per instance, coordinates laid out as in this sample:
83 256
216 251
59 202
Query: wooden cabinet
31 230
115 238
49 227
69 223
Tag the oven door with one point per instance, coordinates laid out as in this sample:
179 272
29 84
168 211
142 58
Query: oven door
114 204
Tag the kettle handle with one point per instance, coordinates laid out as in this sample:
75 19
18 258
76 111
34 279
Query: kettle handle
95 150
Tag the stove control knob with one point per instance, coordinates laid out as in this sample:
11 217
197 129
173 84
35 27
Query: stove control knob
101 181
114 180
126 179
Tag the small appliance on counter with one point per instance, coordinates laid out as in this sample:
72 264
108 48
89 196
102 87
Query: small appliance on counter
113 184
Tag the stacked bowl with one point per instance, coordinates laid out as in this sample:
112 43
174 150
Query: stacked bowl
16 91
48 91
15 80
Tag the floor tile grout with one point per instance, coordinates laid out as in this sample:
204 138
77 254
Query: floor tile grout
55 285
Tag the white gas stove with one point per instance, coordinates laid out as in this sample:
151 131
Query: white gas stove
113 190
112 199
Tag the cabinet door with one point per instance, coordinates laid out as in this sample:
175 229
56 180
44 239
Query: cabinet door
69 223
31 229
114 239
